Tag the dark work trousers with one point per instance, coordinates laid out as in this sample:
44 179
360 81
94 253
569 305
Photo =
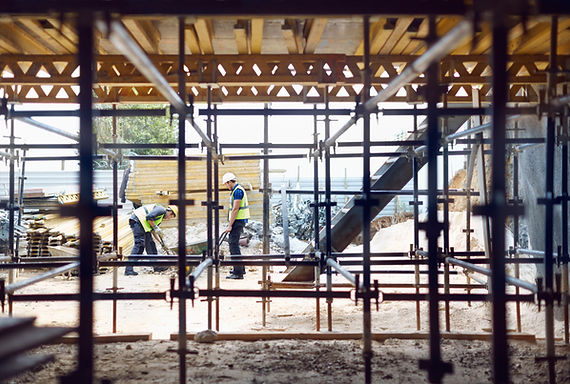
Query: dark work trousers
143 240
235 234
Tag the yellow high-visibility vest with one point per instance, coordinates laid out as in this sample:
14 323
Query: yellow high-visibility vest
141 213
243 212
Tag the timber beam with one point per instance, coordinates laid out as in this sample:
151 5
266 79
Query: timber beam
54 78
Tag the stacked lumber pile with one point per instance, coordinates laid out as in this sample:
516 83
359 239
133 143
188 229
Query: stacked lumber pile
156 181
102 228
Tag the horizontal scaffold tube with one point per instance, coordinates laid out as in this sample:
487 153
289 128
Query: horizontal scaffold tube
44 276
509 279
347 275
201 268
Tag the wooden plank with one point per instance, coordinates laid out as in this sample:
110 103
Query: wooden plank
358 336
24 41
204 32
397 33
256 35
290 38
107 339
313 35
47 32
143 34
240 34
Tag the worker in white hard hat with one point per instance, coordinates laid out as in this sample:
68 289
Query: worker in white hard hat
238 215
144 224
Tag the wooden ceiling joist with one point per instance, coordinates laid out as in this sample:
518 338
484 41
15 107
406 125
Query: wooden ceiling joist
240 34
145 33
205 34
396 34
192 40
256 35
293 40
22 39
313 31
48 33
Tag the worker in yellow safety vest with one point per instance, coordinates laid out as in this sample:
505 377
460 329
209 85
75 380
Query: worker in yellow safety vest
238 215
144 224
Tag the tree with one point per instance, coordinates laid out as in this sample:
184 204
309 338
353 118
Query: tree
140 129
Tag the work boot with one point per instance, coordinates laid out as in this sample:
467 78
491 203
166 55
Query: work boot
130 272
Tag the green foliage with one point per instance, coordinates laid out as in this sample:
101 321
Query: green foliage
140 129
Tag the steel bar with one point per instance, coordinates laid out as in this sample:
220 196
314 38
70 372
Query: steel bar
516 227
11 288
216 207
497 205
115 218
181 162
263 157
532 252
266 212
564 203
97 296
201 268
328 214
454 297
445 151
209 199
285 218
484 271
416 205
271 293
86 203
366 214
338 268
268 145
280 112
478 129
549 210
11 192
402 192
96 113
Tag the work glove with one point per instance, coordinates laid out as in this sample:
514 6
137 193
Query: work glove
159 232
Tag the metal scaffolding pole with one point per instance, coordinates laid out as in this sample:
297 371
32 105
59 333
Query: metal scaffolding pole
216 219
11 192
564 204
366 204
497 207
209 202
266 208
182 339
435 367
86 206
328 213
549 201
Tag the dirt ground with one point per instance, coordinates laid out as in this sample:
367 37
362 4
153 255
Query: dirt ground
282 361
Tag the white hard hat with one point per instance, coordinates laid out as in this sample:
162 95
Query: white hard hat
228 176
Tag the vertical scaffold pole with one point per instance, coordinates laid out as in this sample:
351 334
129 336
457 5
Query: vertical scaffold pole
316 210
497 207
209 203
549 211
266 221
216 219
86 203
182 342
367 320
328 215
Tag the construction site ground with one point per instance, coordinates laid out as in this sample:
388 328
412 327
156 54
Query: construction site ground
285 361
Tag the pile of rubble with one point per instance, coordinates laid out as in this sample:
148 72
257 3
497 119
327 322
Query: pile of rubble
300 216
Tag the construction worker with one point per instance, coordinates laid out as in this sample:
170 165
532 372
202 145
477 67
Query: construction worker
238 215
144 224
